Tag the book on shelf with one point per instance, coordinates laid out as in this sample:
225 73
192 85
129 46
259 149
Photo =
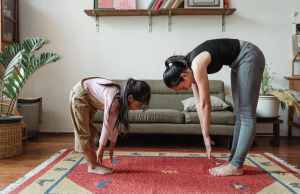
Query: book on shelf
154 4
163 4
168 4
151 4
158 4
177 4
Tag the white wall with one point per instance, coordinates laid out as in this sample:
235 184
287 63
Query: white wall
125 48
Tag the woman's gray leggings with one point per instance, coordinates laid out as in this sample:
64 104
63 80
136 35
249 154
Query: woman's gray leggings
246 76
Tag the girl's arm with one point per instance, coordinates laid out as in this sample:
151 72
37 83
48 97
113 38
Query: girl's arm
110 117
108 131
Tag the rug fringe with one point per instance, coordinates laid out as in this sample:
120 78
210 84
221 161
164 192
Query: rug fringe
11 187
283 162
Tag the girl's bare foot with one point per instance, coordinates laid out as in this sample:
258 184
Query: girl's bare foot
226 170
99 170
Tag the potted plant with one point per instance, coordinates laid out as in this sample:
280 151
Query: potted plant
18 62
268 104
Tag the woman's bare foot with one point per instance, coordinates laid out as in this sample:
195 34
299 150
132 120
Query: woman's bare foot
226 170
99 170
220 165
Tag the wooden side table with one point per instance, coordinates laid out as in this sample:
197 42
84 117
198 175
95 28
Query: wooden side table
275 141
294 84
276 128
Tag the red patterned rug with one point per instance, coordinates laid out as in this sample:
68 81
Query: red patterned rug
161 172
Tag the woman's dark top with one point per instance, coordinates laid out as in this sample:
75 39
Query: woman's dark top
222 51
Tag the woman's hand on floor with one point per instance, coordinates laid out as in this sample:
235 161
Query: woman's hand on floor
208 143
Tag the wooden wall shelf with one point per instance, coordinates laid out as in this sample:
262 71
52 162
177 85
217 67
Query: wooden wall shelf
145 12
97 13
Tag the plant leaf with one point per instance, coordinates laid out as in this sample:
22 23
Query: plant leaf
20 62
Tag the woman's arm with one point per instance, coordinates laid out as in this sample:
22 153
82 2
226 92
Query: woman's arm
201 92
204 129
203 102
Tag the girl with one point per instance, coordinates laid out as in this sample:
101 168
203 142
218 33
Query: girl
247 65
92 94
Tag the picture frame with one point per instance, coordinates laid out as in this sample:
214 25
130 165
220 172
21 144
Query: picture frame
115 4
203 4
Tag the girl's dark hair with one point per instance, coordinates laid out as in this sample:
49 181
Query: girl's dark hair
175 65
140 91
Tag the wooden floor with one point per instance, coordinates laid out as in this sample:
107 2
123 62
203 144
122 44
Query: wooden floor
38 150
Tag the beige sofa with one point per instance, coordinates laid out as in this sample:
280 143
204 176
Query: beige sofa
166 116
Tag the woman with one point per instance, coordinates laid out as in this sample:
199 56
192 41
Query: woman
92 94
247 65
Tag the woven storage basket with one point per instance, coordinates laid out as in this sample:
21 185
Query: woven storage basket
10 139
11 129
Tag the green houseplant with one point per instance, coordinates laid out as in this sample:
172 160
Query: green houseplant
268 104
270 98
266 83
18 62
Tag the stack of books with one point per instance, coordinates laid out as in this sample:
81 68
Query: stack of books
165 4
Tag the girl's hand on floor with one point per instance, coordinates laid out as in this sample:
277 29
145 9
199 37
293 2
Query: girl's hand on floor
99 154
111 151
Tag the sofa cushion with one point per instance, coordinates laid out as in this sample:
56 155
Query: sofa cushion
220 118
156 116
217 104
150 116
168 101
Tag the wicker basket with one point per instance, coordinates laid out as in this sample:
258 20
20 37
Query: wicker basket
11 129
10 139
